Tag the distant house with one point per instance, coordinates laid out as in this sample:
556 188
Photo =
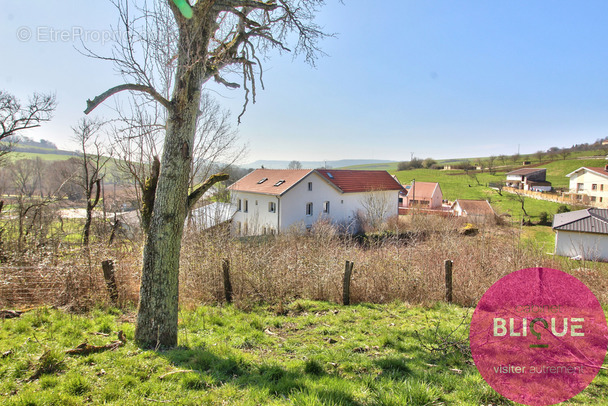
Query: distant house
476 210
590 185
427 195
534 179
582 234
269 201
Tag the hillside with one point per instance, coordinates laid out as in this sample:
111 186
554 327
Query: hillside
45 150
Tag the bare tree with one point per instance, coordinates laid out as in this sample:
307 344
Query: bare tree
565 153
376 206
294 165
15 117
490 163
540 154
521 199
92 168
213 39
28 206
503 159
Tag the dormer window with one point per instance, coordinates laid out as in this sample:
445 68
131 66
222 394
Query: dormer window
262 181
279 183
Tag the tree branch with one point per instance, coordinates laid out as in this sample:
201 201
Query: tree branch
200 191
229 5
92 104
224 82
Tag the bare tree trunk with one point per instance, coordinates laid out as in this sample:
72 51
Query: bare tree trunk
158 302
90 206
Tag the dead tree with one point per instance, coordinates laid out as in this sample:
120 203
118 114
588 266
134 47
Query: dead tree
93 162
208 41
15 117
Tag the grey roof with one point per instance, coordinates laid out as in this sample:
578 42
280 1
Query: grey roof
586 221
526 171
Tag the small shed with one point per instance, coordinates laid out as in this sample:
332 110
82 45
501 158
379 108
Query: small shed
582 234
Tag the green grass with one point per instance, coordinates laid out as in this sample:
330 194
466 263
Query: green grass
557 170
458 185
308 353
16 156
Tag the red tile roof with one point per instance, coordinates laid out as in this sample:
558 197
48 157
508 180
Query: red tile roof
351 181
250 182
601 170
475 207
348 181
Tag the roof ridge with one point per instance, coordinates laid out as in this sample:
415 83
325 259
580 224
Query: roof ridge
597 216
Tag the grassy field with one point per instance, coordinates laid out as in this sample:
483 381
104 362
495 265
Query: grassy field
15 156
458 185
307 353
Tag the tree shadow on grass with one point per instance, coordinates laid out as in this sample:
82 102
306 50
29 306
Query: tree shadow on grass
212 370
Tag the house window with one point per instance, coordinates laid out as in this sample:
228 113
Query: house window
593 198
272 207
601 188
309 209
238 205
594 186
326 207
310 186
579 187
246 208
601 199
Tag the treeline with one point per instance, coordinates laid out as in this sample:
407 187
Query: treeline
490 163
23 142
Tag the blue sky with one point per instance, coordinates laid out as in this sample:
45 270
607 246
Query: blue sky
440 79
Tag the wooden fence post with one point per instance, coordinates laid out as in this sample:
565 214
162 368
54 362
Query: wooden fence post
109 275
448 280
348 270
227 284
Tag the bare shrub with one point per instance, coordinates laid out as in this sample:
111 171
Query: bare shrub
406 263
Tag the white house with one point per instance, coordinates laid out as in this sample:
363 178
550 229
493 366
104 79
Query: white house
582 234
268 201
529 179
590 184
422 195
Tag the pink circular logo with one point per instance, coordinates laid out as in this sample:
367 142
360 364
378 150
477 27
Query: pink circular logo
538 336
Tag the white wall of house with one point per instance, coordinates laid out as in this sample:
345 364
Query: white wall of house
295 200
515 178
591 184
589 246
255 218
291 208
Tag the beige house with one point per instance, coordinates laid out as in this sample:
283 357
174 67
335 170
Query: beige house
426 195
590 185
